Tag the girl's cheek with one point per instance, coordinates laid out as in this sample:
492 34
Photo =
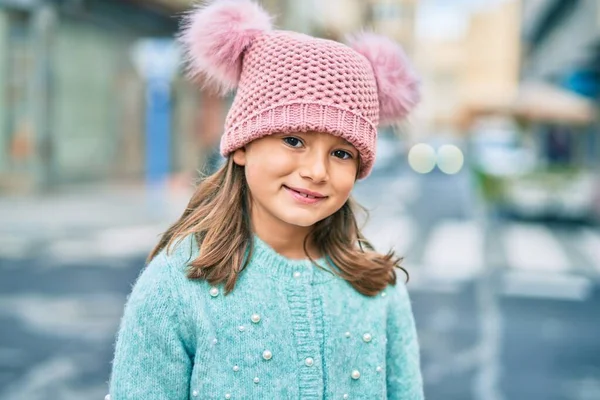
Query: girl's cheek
275 163
346 179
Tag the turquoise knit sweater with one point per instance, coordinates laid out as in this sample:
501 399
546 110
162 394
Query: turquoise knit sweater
289 330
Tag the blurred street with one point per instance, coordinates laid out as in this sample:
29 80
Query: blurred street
499 317
490 189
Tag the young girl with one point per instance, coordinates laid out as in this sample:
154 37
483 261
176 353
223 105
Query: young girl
265 287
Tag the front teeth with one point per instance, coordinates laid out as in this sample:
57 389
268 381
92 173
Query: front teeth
306 195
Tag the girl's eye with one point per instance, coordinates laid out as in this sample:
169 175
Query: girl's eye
344 155
292 141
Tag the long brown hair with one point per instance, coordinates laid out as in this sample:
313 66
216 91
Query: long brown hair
218 216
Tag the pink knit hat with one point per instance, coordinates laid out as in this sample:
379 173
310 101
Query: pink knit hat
290 82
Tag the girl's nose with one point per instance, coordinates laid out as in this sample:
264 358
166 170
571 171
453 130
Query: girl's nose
315 166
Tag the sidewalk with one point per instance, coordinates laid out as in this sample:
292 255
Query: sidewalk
80 213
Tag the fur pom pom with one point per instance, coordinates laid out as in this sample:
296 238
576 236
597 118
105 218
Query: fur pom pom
397 83
214 37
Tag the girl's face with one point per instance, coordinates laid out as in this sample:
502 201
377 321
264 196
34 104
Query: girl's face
296 180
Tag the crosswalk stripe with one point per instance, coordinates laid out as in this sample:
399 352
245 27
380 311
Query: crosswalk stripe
454 251
553 285
533 248
92 317
45 377
109 243
590 244
421 281
395 233
14 247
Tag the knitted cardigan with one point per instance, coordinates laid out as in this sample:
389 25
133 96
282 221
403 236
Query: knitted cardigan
289 330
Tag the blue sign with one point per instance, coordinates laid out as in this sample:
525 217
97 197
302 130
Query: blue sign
156 61
584 82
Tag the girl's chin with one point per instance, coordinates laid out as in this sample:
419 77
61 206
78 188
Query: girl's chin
300 220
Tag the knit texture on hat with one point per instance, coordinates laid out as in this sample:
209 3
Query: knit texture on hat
291 82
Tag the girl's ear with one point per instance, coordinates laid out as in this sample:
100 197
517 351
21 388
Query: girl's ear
239 156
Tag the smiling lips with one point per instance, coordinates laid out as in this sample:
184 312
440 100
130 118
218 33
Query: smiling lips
305 196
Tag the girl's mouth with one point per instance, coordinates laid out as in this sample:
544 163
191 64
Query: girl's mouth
305 196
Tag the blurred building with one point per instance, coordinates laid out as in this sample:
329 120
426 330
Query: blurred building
550 87
492 56
561 40
395 19
337 18
474 69
440 63
72 103
562 48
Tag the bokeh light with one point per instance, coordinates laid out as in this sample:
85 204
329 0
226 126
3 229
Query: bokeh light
450 159
421 158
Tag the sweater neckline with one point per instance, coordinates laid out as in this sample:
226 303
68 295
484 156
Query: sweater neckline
266 260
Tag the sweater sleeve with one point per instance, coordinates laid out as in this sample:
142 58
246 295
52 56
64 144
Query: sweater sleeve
153 358
404 380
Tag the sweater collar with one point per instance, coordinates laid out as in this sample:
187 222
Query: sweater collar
267 261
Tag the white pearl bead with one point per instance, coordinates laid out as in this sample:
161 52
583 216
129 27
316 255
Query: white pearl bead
345 396
367 337
107 397
296 274
309 362
256 380
267 355
379 369
255 318
355 374
214 292
236 368
227 396
383 294
242 328
195 393
347 334
215 341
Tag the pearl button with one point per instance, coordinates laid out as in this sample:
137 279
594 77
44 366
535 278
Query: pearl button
267 355
379 369
296 274
345 396
215 341
255 318
367 337
309 362
355 374
227 396
107 397
214 292
383 294
236 368
242 328
347 334
195 393
256 380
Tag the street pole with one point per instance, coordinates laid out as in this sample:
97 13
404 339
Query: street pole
43 26
156 60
